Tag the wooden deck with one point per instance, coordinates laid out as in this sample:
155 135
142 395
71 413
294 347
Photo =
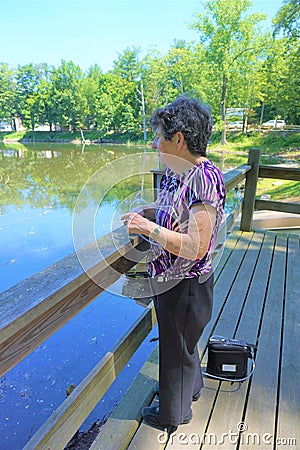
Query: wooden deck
257 293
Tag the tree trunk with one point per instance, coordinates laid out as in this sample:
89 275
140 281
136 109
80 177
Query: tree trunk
262 113
245 123
32 121
223 108
14 125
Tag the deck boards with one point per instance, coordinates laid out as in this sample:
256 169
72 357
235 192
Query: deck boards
261 407
289 394
243 324
257 293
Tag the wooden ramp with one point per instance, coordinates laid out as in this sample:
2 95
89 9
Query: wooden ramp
257 293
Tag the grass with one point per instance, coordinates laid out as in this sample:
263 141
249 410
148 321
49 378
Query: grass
272 143
69 136
282 190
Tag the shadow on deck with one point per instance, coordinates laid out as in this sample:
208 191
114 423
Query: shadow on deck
257 291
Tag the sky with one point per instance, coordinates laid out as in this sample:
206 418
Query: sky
90 32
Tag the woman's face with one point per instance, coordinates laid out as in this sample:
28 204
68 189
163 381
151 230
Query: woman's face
165 148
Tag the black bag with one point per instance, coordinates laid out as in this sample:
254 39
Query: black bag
228 359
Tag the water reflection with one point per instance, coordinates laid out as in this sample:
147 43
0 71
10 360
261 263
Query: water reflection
50 176
39 186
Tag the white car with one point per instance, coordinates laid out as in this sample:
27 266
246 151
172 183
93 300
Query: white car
235 125
273 124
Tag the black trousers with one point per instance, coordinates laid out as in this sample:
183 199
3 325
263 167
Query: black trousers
182 310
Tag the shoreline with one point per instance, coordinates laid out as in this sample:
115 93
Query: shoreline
74 137
285 145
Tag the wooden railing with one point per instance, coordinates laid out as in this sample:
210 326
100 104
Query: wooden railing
34 309
250 203
286 173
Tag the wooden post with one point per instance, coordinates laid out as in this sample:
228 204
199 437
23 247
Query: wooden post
250 190
157 174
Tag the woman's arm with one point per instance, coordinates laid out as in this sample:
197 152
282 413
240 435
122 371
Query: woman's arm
191 245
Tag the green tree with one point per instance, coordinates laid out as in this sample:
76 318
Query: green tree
7 88
246 90
291 88
228 36
129 68
45 109
287 19
127 65
26 99
281 81
114 104
104 102
184 69
180 71
90 87
155 80
68 103
286 24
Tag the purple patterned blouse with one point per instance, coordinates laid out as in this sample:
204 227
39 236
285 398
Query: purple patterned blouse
203 184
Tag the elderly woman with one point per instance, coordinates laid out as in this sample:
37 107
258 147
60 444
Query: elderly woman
188 212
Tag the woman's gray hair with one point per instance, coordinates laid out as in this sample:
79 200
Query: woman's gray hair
190 117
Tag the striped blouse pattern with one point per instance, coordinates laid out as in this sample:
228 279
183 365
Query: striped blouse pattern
202 184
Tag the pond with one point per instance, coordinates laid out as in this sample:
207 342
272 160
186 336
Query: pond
40 187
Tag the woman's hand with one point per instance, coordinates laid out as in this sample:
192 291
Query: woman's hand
137 224
191 245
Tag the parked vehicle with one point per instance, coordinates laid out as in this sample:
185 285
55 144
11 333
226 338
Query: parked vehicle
238 125
273 124
5 126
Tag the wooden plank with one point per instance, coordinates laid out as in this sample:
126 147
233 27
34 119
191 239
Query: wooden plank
57 431
281 173
121 426
260 415
229 406
225 281
37 307
223 243
236 176
232 217
148 437
288 207
288 427
33 290
250 190
220 261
